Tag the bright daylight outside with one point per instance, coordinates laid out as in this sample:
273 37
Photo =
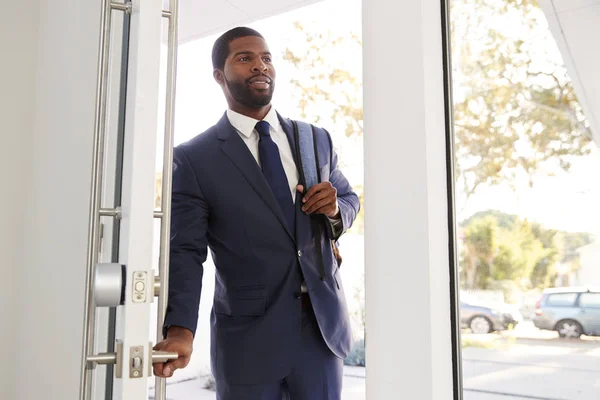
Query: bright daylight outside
526 209
526 196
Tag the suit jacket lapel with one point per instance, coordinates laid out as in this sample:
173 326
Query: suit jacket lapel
237 151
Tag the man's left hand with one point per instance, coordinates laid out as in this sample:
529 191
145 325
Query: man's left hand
320 199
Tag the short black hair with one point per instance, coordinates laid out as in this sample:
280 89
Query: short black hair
220 49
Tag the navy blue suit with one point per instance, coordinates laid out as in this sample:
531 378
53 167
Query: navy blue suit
222 201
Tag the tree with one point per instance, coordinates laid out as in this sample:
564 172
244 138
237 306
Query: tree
516 113
519 251
324 90
503 247
480 247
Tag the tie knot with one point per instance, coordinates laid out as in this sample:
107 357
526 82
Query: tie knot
262 127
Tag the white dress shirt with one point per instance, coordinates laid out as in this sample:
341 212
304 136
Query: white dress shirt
245 127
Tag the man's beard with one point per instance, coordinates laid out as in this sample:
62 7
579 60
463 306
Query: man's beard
244 95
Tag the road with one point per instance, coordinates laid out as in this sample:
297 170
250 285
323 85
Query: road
530 364
524 364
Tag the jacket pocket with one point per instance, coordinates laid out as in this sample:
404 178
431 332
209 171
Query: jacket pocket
243 301
249 292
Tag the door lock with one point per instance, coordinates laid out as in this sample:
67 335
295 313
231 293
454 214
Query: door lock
139 286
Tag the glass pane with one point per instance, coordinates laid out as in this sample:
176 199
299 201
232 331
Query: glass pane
561 300
591 300
526 194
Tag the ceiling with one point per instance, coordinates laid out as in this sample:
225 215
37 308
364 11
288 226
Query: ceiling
575 25
199 18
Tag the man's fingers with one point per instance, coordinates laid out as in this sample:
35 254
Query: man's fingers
315 189
316 198
169 369
300 188
158 369
181 362
172 366
329 194
325 204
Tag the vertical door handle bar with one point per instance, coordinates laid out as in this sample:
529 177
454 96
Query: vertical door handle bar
89 312
165 230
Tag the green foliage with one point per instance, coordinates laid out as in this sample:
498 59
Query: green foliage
502 247
519 251
480 244
505 221
356 357
515 111
326 90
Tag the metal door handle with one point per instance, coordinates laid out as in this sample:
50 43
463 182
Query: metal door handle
111 358
163 356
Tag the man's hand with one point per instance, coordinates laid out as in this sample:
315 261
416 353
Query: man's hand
320 199
179 340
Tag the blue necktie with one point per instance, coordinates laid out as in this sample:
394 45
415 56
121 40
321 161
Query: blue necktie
273 171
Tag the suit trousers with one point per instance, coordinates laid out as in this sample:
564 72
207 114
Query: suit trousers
316 375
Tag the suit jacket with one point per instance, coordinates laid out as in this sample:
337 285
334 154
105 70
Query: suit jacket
222 201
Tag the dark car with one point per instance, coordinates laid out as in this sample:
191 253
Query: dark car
481 317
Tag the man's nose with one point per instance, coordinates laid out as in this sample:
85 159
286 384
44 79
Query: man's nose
259 66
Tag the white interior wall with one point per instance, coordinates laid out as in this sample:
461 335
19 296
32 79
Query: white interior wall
51 297
18 41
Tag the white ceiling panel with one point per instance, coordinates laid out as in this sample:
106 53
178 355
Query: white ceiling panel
581 29
200 18
571 5
576 31
267 8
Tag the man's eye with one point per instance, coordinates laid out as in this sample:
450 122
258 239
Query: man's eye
267 59
244 59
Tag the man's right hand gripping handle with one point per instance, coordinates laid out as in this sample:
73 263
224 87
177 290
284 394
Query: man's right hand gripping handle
179 340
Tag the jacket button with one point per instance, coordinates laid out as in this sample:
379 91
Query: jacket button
299 253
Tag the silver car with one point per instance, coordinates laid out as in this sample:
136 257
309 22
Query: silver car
571 312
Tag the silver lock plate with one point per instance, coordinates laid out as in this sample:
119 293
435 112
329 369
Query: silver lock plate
136 362
139 286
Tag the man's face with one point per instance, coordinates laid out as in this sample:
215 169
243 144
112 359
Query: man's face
249 75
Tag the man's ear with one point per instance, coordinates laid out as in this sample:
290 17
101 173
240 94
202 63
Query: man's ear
219 77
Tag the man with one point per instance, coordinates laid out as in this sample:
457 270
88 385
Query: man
279 323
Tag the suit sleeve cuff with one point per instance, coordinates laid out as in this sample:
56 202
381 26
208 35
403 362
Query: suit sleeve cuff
337 225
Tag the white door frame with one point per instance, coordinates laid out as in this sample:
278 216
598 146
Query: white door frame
410 337
136 213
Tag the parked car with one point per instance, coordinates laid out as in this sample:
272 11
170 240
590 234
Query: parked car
482 317
570 311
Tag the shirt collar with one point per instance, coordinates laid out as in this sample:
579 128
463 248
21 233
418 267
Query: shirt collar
245 125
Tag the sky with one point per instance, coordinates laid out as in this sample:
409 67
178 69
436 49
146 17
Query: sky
567 201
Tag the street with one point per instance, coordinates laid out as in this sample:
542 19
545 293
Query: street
514 365
530 364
